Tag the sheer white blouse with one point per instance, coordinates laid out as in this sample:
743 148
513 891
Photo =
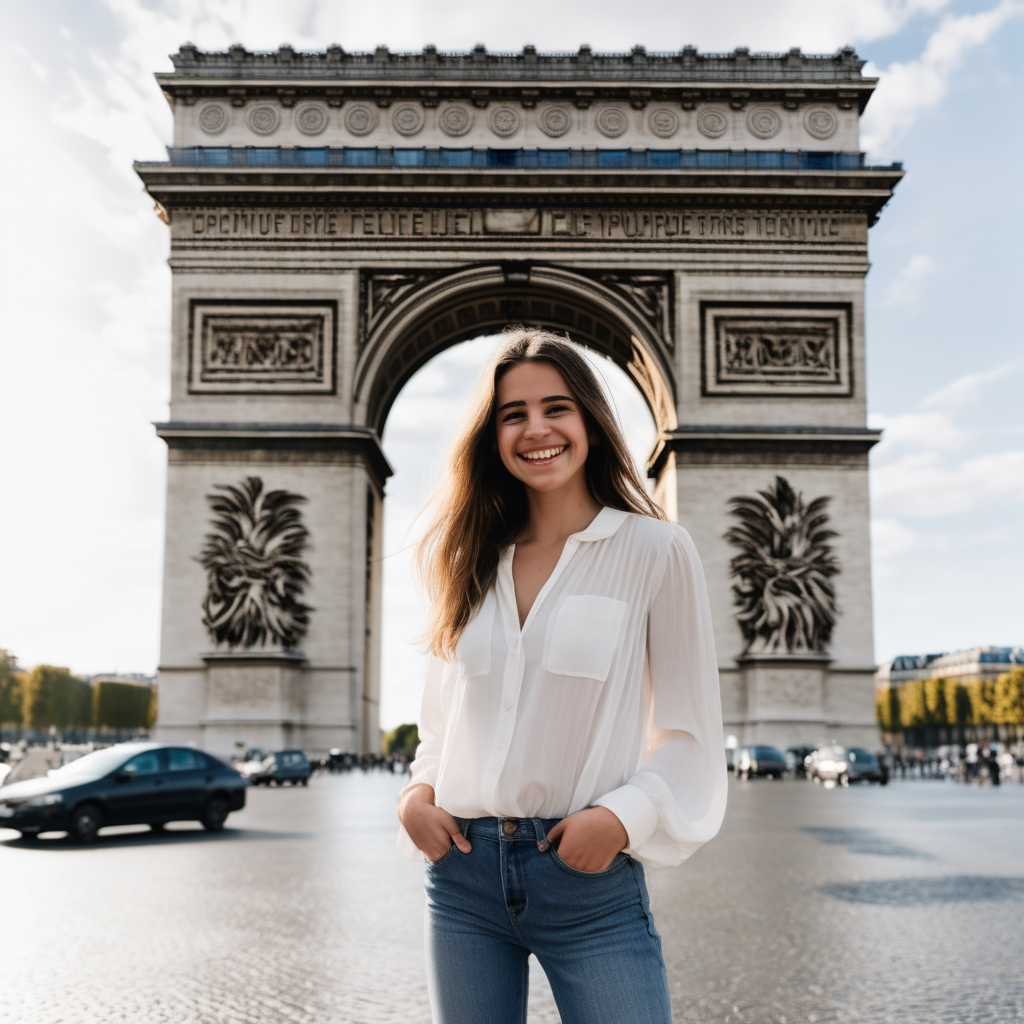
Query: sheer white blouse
607 696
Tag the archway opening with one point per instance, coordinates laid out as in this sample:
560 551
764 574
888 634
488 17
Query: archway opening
423 415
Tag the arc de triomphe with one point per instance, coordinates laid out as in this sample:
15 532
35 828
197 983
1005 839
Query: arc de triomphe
337 219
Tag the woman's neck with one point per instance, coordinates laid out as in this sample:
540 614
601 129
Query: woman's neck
555 515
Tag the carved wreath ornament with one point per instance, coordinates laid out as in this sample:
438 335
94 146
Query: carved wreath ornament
255 574
783 572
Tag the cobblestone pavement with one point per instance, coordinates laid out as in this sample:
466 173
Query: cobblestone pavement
901 904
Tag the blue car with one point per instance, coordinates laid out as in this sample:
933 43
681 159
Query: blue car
129 784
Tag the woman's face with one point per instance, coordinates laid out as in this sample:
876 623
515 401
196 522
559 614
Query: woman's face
541 434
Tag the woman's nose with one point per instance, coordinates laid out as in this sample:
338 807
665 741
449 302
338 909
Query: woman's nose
536 426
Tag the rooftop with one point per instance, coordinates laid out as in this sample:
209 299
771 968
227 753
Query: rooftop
684 65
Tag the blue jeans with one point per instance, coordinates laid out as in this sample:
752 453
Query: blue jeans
592 932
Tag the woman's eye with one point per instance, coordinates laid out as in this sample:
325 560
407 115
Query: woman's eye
557 408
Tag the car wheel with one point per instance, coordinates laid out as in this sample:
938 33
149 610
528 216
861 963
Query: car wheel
85 823
305 782
30 837
157 826
215 814
278 782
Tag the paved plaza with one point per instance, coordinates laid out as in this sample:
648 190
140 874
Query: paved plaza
901 904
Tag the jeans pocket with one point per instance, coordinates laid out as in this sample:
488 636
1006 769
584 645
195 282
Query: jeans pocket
620 859
444 856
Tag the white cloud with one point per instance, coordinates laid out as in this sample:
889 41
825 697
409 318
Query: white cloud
932 430
905 286
967 389
890 538
908 88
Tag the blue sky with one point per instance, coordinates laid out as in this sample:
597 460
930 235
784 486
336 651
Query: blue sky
85 289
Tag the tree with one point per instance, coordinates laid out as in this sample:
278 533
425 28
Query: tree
404 739
53 696
10 690
121 705
1009 698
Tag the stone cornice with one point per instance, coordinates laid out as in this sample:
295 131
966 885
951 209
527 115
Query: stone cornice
172 185
685 76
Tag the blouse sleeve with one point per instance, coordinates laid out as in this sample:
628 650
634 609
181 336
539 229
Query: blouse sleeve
425 767
676 802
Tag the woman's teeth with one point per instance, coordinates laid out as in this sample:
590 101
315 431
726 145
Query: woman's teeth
544 453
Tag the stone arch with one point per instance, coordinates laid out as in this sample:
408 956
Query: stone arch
430 315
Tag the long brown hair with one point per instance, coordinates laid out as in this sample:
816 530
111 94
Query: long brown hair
481 508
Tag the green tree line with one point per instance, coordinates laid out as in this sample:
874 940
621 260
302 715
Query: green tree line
947 702
49 696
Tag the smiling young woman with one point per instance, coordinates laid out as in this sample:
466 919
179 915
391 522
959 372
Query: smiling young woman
571 728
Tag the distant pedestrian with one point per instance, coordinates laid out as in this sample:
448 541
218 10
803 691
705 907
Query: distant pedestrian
571 642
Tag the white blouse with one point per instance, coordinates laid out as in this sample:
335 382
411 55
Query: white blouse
607 696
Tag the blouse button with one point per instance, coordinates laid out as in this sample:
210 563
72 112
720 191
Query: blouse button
508 705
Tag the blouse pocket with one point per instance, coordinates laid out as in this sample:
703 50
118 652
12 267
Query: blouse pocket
584 635
474 647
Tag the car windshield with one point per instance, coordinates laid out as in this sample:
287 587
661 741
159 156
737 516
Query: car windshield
768 754
860 754
94 765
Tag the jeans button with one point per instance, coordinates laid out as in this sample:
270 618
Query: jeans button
509 826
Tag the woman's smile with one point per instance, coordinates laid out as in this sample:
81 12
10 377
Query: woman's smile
543 456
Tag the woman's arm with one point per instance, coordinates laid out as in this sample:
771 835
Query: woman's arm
676 802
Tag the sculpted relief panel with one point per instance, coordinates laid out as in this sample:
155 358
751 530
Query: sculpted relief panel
255 348
779 349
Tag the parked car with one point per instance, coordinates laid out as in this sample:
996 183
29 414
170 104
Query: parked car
128 784
798 756
843 765
765 761
283 766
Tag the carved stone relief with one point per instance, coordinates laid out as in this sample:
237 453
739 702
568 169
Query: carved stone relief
820 122
379 293
255 574
407 119
776 350
651 296
261 348
663 122
783 573
763 122
712 122
311 118
360 119
554 121
262 119
612 121
455 119
212 118
504 121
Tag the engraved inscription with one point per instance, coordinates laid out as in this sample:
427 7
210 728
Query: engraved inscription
776 350
261 348
677 226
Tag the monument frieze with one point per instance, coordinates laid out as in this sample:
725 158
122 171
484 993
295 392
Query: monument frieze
613 224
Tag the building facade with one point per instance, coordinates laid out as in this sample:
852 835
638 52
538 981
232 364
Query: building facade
337 219
969 666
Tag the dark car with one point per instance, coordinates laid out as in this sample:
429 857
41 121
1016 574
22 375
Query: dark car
130 784
764 761
283 766
843 765
798 756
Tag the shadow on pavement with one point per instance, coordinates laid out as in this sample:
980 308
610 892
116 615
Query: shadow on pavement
920 892
866 840
146 837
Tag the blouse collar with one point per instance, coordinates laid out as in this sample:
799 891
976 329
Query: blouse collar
605 523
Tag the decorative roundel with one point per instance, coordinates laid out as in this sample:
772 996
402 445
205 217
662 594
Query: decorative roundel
212 118
554 121
763 122
663 122
504 121
311 118
360 119
407 119
456 119
612 121
712 122
821 122
262 119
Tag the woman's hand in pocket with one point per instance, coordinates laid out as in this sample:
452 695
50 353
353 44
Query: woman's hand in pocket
430 827
588 840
